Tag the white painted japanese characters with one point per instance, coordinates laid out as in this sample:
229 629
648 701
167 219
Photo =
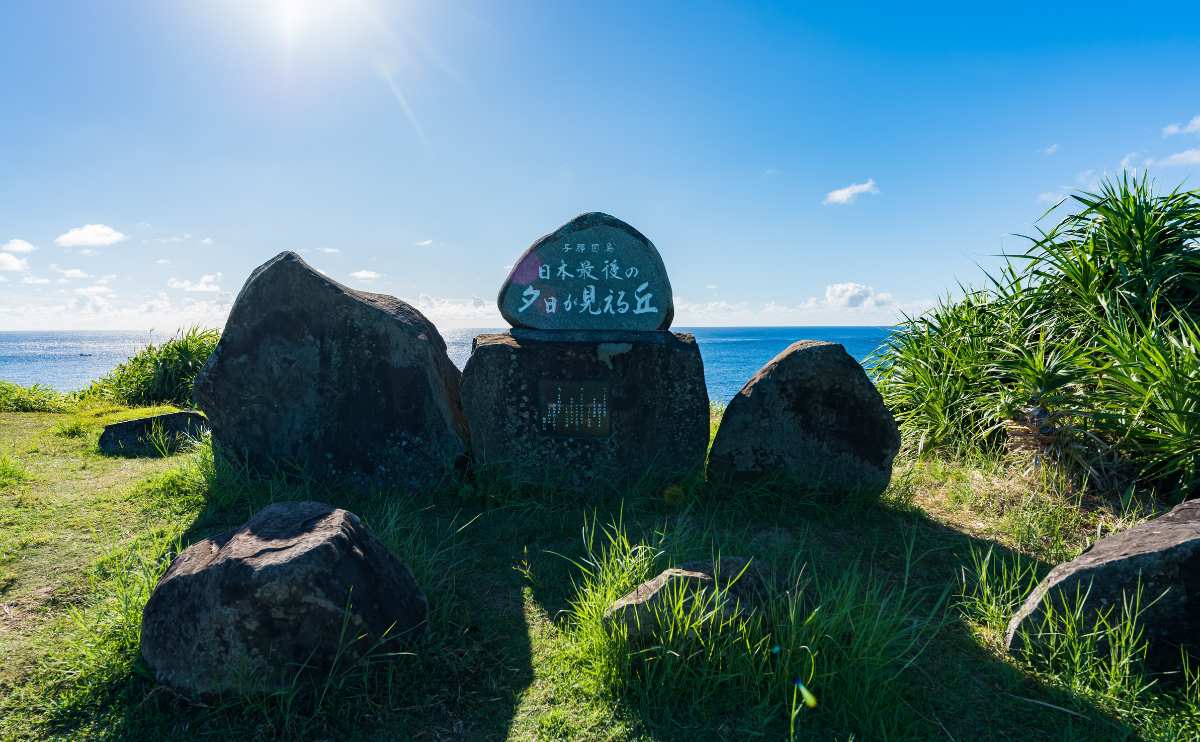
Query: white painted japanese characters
595 272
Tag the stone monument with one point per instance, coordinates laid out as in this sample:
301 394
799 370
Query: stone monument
590 388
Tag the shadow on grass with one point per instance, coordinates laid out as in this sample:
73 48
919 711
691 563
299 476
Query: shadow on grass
463 680
480 551
954 687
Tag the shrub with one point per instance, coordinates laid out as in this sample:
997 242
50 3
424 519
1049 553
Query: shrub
159 374
36 398
1085 348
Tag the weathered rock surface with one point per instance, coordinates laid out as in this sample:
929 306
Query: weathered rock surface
314 376
741 583
556 409
1163 555
594 272
248 608
142 437
810 417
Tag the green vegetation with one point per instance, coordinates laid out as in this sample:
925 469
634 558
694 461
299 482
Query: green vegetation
889 614
1084 350
36 398
159 374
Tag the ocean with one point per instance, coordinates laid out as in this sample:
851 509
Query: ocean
71 360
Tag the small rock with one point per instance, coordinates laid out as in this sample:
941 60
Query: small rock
247 609
810 417
743 586
146 435
1163 555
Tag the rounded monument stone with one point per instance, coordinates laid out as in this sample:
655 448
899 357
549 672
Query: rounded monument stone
593 273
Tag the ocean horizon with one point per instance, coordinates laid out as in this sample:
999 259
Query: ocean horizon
70 360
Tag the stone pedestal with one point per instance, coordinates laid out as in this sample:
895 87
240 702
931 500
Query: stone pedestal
588 410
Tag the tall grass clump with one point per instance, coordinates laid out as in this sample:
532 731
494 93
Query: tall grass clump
1098 656
159 374
830 652
1083 350
36 398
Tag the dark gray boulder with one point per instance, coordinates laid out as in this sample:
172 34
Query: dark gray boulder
1162 555
810 417
730 587
590 411
249 608
594 272
152 436
312 375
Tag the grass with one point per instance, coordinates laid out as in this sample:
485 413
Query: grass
1084 351
890 615
159 374
16 398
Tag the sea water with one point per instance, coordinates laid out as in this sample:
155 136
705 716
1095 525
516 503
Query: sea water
71 360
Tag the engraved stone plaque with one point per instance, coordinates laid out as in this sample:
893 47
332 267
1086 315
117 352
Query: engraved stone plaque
594 273
573 408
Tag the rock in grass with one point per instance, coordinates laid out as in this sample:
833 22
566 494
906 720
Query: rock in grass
314 376
1162 556
809 417
151 436
728 588
249 608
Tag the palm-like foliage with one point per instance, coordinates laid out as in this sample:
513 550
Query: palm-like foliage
160 374
1092 335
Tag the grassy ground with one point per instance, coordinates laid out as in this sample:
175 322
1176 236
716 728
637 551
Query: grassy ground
892 614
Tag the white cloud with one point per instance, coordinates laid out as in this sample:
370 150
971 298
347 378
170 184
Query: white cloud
68 273
365 275
85 251
1050 150
206 285
206 241
17 246
330 250
162 261
34 281
1191 127
1050 197
851 192
1187 157
473 312
710 286
97 290
851 295
423 243
1127 161
10 262
89 235
3 279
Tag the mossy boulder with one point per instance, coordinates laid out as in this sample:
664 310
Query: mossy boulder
286 591
811 418
313 376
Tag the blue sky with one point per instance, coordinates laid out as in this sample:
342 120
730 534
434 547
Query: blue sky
794 165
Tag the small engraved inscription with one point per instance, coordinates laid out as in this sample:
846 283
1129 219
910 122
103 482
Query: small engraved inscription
573 408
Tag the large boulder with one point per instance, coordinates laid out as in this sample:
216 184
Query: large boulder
1162 557
248 609
591 411
730 587
810 417
594 272
152 436
315 376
